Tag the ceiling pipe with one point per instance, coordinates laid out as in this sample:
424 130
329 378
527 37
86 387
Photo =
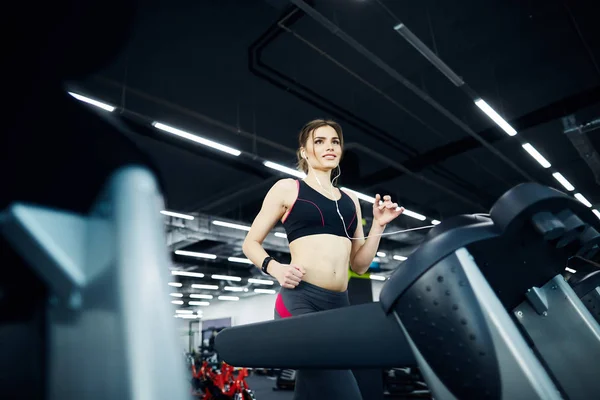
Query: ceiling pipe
577 135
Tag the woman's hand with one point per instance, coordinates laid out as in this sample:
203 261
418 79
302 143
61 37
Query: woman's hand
288 275
385 212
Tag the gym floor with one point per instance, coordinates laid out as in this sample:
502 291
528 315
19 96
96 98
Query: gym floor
262 386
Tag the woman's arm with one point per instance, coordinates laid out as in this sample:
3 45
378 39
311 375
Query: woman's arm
364 251
273 208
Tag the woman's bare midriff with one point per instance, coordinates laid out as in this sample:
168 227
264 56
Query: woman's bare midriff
325 258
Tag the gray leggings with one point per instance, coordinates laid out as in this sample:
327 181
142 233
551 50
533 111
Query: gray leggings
317 384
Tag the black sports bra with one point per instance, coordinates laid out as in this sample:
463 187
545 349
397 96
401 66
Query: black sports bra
313 214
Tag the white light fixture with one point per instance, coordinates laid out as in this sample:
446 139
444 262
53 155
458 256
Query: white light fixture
414 215
184 311
380 254
239 260
177 294
281 168
582 199
570 270
230 225
198 303
230 298
435 222
377 277
567 185
179 302
233 289
596 212
265 291
195 254
281 235
206 287
201 296
185 273
175 284
177 215
260 281
93 102
226 278
376 259
400 258
535 154
361 196
495 117
197 139
188 316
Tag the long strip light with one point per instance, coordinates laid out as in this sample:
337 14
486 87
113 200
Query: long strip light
93 102
196 138
184 311
195 254
198 303
281 168
175 284
536 154
239 260
260 281
495 117
235 289
230 225
597 213
582 199
380 254
201 296
188 316
177 215
563 181
177 294
265 291
226 277
178 302
191 274
361 196
414 215
435 222
399 258
377 277
281 235
230 298
205 287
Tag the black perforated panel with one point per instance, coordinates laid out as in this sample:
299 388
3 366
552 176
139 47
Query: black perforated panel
592 303
441 315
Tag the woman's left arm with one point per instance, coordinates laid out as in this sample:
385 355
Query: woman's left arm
364 251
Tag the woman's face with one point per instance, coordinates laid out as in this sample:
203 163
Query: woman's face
323 148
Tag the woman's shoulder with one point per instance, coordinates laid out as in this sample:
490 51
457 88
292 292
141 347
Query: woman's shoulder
285 186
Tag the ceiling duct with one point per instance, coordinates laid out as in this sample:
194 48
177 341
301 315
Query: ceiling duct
577 134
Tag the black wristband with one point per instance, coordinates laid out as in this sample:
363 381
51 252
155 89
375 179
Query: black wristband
265 264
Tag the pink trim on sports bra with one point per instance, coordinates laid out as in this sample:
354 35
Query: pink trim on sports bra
308 201
293 204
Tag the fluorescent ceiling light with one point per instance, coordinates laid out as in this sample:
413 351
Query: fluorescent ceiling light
195 254
201 296
198 303
227 277
435 222
596 212
495 117
582 199
175 284
230 225
93 102
376 259
361 196
179 302
570 270
207 287
535 154
265 291
414 215
400 258
281 235
281 168
177 294
188 316
177 215
235 289
184 311
380 254
197 139
230 298
567 185
260 281
377 277
185 273
239 260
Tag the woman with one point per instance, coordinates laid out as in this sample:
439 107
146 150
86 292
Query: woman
325 237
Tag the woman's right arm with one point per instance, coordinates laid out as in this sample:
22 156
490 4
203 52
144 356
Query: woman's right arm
273 208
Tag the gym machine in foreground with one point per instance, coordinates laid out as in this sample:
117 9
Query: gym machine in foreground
483 306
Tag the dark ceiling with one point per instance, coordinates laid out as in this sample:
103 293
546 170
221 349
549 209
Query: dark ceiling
250 73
